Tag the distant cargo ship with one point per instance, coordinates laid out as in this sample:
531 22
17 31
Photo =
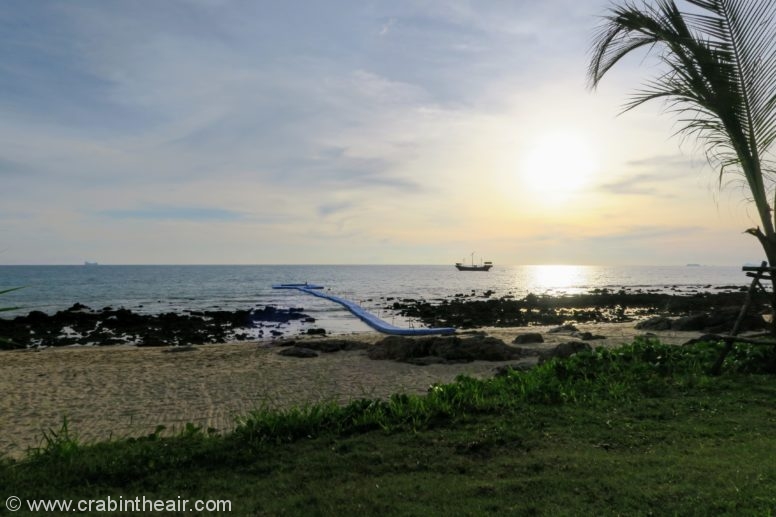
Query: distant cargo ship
87 263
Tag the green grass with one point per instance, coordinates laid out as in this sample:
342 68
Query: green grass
637 431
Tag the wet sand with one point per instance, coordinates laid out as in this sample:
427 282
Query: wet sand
128 391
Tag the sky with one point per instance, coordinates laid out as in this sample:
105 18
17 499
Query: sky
342 132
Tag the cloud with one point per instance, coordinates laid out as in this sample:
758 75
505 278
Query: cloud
168 213
649 233
664 163
657 175
328 209
386 28
638 185
10 168
258 119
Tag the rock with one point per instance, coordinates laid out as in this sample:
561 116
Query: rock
298 351
448 348
501 371
528 337
564 350
80 325
177 349
655 323
586 336
691 322
705 338
527 352
328 346
723 319
427 360
316 332
564 328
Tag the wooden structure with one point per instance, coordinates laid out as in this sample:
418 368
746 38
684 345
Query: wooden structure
756 273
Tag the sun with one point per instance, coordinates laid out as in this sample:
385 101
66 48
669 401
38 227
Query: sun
556 165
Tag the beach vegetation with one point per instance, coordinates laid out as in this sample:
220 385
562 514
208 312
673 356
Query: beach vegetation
638 429
718 77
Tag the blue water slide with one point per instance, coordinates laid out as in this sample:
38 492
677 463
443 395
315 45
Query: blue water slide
368 318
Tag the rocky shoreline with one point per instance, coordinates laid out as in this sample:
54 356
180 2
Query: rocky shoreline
703 310
81 325
710 312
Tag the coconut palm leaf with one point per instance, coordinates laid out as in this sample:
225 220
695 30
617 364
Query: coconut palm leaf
4 309
720 81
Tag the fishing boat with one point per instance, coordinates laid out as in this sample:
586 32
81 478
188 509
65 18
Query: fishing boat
484 266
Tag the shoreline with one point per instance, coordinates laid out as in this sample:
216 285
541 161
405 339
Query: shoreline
125 390
83 325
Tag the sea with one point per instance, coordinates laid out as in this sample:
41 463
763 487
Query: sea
157 289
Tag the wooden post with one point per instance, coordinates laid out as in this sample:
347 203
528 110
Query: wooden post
717 368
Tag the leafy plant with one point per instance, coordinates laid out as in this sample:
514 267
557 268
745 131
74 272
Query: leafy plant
61 444
720 80
4 309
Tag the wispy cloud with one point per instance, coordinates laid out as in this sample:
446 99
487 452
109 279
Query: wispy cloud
648 233
639 185
13 168
328 209
657 176
159 213
670 162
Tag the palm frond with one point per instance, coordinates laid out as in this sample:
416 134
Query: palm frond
720 77
6 309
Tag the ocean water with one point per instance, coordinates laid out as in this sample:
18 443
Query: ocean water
155 289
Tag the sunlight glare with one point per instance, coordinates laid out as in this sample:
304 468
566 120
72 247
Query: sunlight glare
554 278
558 164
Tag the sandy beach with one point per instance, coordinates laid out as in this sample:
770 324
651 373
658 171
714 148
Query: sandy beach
128 391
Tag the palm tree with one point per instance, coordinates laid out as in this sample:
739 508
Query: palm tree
719 79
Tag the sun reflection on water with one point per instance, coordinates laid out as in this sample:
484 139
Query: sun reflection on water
554 278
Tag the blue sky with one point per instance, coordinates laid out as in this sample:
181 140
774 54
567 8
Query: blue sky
216 131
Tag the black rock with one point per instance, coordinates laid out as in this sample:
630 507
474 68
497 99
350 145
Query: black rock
298 351
528 337
564 350
691 322
655 323
586 336
569 327
334 345
448 348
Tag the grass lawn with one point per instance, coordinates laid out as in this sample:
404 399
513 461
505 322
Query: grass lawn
638 431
